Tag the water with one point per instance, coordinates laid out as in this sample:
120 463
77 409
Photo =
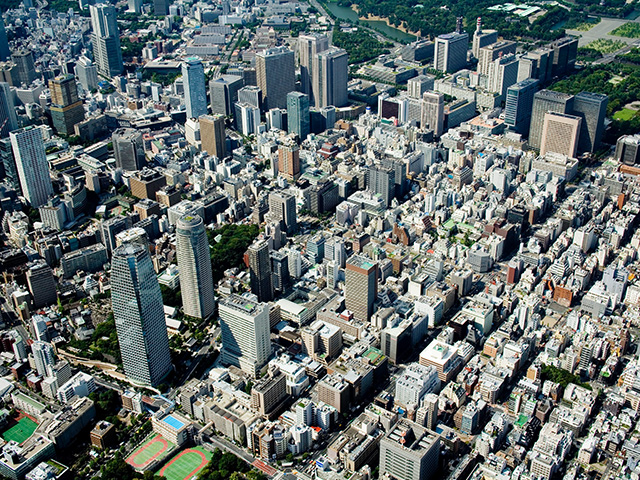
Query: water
346 13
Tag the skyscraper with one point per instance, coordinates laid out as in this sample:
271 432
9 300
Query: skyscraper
417 86
382 181
31 165
260 271
432 115
224 93
560 134
25 66
309 46
488 54
42 285
592 109
450 53
212 133
5 53
289 161
518 105
482 38
298 114
251 95
280 271
161 7
194 263
275 71
87 73
361 286
330 76
128 149
503 72
106 39
546 101
43 357
282 208
66 107
245 333
139 315
8 118
247 118
195 93
409 452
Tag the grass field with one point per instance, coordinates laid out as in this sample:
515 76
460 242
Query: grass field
628 30
624 114
185 464
21 430
149 451
604 45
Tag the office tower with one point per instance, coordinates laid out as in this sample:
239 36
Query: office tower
309 46
592 109
537 64
417 51
195 93
87 73
518 105
451 52
546 101
66 108
42 285
298 114
134 6
245 333
275 71
277 118
280 271
25 66
382 181
482 38
418 86
429 411
31 165
251 95
260 271
8 118
212 133
409 452
106 40
224 93
139 315
289 161
128 149
247 118
194 263
110 228
565 51
488 54
5 53
315 248
361 286
43 357
628 149
161 7
432 115
503 72
9 163
560 134
282 208
330 76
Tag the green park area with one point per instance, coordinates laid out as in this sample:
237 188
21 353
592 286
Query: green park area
628 30
624 114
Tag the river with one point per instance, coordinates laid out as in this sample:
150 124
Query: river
346 13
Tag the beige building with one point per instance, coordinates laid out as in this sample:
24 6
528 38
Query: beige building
212 135
268 393
560 134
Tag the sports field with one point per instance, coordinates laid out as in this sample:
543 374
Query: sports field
185 464
150 450
21 431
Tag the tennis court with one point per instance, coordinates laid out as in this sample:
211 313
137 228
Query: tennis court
21 431
186 464
149 451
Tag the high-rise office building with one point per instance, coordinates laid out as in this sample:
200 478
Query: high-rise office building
309 45
409 452
25 66
245 333
43 357
195 93
488 54
546 101
503 72
482 38
194 263
212 133
382 181
592 109
450 53
161 7
260 271
282 208
298 114
418 86
565 51
106 40
518 105
275 71
87 73
139 314
31 165
247 118
289 161
9 163
42 285
128 149
536 64
224 93
251 95
628 149
280 271
560 134
8 118
361 286
330 76
432 115
5 53
66 107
